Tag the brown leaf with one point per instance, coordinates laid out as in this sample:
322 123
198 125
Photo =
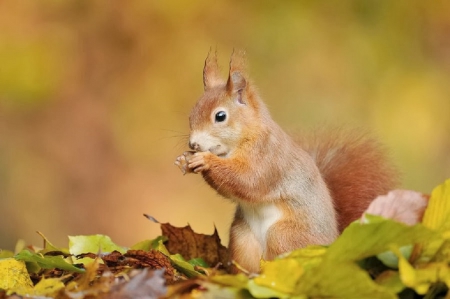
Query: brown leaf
137 259
117 279
154 260
185 241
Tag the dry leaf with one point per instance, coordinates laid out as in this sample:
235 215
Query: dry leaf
144 284
185 241
400 205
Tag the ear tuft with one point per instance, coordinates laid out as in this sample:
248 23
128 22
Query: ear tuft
211 76
237 78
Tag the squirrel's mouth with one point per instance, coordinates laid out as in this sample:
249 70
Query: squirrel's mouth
219 151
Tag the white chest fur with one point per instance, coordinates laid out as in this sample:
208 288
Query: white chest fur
260 218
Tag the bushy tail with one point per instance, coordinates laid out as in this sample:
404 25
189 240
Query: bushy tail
355 168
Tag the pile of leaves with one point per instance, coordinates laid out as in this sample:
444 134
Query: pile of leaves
377 259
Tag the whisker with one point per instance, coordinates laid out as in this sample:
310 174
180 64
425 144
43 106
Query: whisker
178 135
173 131
181 145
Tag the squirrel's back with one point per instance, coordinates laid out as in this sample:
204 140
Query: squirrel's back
355 168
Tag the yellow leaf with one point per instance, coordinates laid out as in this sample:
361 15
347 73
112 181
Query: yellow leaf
420 278
91 272
48 287
407 272
276 276
438 211
391 280
237 281
92 244
340 280
14 276
437 217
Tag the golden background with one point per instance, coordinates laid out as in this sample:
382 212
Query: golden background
95 96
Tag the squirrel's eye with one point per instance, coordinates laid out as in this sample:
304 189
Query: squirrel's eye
221 116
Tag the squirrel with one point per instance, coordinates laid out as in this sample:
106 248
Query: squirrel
290 191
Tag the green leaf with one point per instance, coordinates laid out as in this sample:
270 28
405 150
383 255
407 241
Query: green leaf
308 257
182 265
177 260
149 244
6 254
340 280
260 291
161 248
390 259
47 262
238 281
218 291
359 240
198 262
92 244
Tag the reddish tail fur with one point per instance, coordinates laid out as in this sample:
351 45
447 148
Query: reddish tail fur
355 169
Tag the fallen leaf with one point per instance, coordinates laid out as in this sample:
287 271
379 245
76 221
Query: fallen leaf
185 267
422 277
390 279
6 254
144 284
149 244
359 240
47 262
153 259
92 244
436 217
340 280
14 275
438 212
48 287
276 276
404 206
90 284
184 241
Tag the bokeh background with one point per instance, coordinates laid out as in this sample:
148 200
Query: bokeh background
95 97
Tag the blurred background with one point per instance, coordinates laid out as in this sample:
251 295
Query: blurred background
95 98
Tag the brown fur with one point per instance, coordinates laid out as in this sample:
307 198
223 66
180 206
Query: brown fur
289 193
355 168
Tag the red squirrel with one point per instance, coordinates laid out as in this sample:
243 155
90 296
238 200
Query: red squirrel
290 192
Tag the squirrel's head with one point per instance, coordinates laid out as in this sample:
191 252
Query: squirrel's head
229 113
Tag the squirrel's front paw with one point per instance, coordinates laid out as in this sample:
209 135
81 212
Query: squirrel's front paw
199 161
182 162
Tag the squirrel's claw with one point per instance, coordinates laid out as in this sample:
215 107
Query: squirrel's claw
182 164
183 161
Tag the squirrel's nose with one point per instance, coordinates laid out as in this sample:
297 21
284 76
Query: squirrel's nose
193 145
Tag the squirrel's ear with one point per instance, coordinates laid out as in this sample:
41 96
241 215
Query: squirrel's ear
237 79
211 77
